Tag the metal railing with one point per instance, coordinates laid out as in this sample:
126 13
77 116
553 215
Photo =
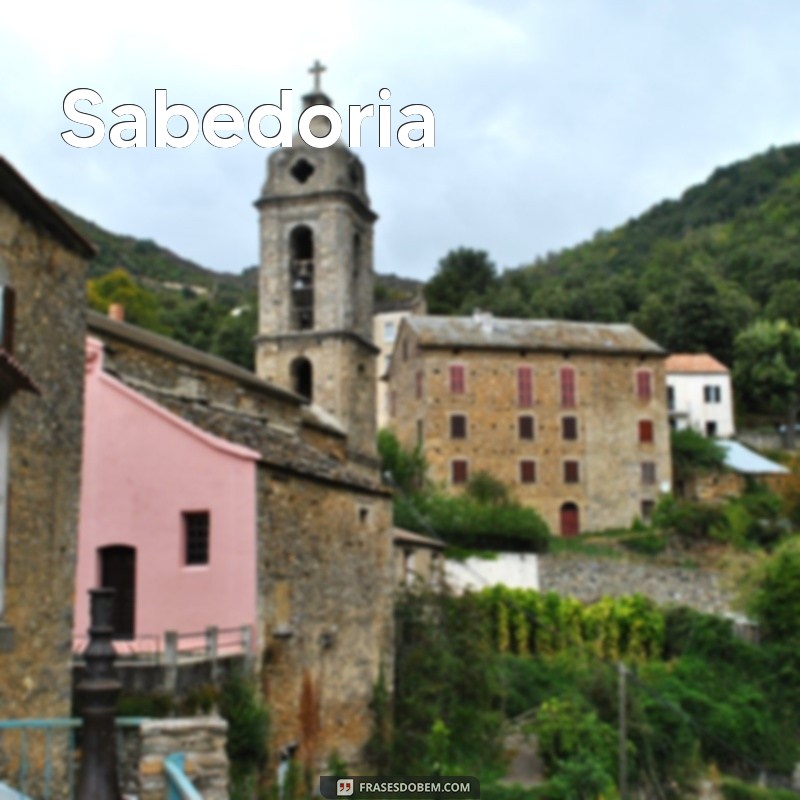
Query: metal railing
179 787
173 647
48 729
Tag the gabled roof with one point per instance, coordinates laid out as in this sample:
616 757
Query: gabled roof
694 363
39 211
484 331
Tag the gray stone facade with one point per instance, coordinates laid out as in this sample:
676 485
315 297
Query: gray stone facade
316 283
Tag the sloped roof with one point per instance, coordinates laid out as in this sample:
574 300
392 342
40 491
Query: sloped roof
35 208
695 363
402 536
747 462
484 331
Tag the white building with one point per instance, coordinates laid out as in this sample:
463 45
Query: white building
699 394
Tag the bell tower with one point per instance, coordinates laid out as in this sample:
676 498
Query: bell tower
316 279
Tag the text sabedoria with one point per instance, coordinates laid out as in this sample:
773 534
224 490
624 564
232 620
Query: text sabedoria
219 125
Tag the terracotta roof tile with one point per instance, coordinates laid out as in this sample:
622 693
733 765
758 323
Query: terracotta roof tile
695 362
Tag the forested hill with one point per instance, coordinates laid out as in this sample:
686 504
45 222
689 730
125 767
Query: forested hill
690 273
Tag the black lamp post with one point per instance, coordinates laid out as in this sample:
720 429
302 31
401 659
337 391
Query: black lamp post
98 692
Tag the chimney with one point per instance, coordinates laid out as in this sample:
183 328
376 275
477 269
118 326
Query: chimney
116 311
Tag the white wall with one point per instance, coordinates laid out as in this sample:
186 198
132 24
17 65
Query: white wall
694 409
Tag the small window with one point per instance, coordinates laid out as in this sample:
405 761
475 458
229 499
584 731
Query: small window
711 428
712 394
527 471
457 381
196 526
389 331
644 384
646 431
459 471
569 428
671 398
363 515
648 473
648 507
524 387
458 426
567 378
525 426
419 383
572 472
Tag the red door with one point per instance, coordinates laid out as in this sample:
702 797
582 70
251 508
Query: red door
570 520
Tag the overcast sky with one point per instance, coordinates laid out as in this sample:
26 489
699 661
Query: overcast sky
554 118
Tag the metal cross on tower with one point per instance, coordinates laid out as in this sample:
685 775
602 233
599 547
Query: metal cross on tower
316 70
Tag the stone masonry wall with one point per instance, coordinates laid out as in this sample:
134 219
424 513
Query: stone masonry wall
589 580
44 469
610 490
200 739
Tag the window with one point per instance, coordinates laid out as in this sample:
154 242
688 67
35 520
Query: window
524 387
389 331
7 305
420 378
571 472
711 428
525 426
645 431
458 426
567 376
527 471
569 428
648 507
671 398
301 269
648 473
302 376
644 384
196 537
712 394
457 379
459 470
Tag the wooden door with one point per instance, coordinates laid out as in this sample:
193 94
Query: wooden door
570 520
118 572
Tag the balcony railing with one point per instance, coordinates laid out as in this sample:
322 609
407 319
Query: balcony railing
36 744
179 787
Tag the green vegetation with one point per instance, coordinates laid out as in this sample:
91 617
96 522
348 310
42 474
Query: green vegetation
485 516
697 695
691 273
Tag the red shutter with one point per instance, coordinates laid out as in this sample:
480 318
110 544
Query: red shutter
525 387
457 378
644 384
645 430
568 387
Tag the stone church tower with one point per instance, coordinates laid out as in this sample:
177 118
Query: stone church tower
316 280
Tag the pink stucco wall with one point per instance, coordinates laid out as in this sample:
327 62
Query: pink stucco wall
143 467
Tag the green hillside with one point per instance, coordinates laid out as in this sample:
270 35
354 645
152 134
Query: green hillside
690 273
209 310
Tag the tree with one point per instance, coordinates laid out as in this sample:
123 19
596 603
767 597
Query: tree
117 286
464 277
775 596
767 369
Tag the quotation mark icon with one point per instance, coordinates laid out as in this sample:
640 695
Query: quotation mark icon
344 787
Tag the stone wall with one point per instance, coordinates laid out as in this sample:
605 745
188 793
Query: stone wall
200 739
611 485
44 451
589 580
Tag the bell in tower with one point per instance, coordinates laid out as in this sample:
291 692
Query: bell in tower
316 279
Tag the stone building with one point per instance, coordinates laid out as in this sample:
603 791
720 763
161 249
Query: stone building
42 272
571 415
316 282
324 569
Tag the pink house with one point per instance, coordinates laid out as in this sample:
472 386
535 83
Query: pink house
167 518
